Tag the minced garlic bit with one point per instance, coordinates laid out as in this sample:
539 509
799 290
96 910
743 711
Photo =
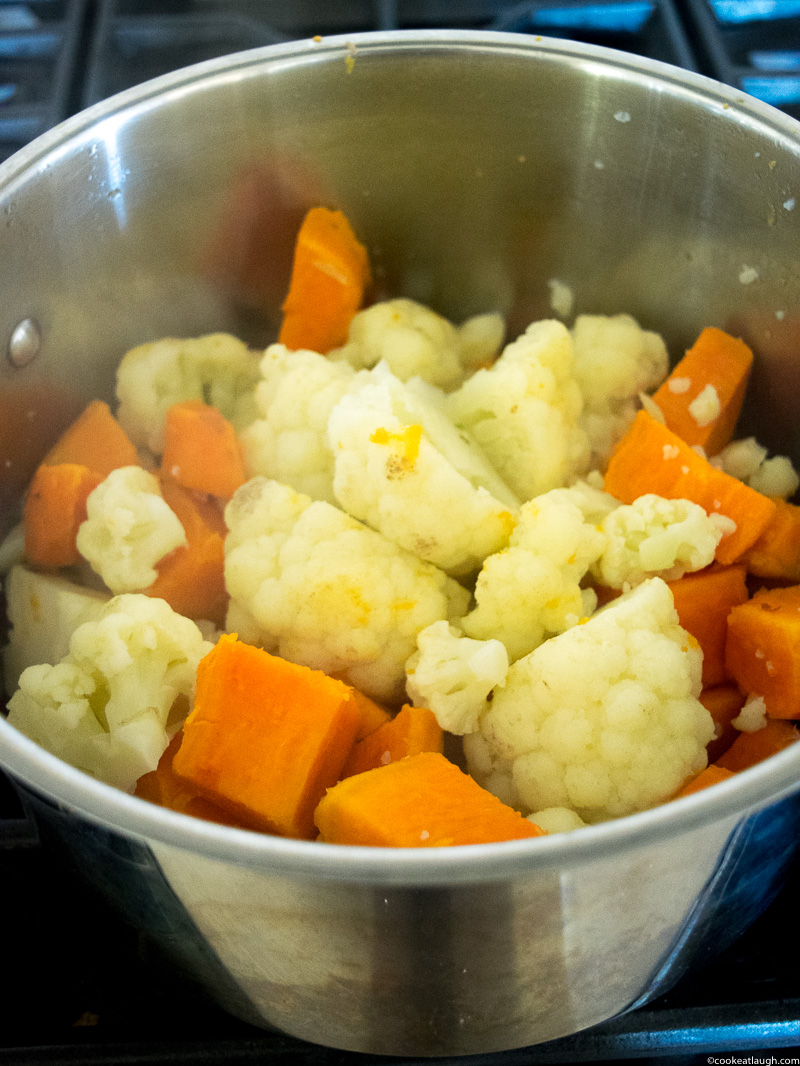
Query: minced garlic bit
671 451
705 407
679 385
752 717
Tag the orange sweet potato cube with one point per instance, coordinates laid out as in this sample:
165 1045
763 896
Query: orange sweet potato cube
762 651
412 730
163 787
95 439
751 748
266 737
712 775
422 801
703 601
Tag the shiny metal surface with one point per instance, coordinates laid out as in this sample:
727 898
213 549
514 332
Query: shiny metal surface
478 167
25 343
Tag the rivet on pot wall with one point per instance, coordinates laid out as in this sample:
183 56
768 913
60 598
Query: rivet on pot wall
25 343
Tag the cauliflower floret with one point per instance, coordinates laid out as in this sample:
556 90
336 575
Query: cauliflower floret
417 402
480 339
44 611
452 675
238 620
747 460
776 478
615 361
129 528
389 474
524 411
557 820
295 397
490 770
604 719
655 537
328 592
217 368
105 707
752 717
415 341
531 590
589 496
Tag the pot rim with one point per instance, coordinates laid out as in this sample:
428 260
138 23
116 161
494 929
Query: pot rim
77 792
104 805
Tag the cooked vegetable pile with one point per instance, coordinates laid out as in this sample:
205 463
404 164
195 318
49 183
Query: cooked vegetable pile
301 591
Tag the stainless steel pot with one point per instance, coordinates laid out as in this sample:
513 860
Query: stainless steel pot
478 167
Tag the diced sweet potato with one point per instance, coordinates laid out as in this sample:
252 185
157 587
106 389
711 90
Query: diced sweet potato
412 730
703 601
266 737
762 652
423 801
751 748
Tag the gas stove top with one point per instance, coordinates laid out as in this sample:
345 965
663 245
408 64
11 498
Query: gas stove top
58 56
84 989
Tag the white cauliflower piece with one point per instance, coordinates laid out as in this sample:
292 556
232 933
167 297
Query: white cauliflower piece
752 717
452 675
295 397
415 341
328 592
238 620
531 590
480 339
747 460
615 361
389 474
218 369
129 528
655 537
589 496
44 611
490 770
416 402
776 478
524 411
105 707
557 820
562 297
605 718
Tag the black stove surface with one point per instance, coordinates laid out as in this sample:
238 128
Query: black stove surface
83 987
